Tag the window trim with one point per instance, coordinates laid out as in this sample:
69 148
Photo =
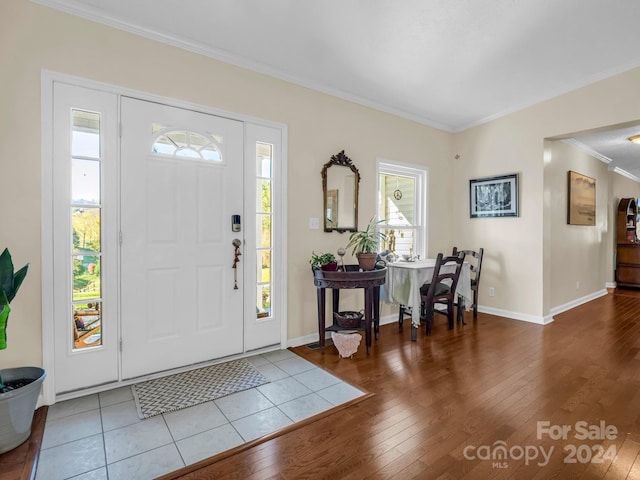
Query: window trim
421 176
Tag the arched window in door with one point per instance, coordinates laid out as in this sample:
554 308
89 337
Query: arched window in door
187 144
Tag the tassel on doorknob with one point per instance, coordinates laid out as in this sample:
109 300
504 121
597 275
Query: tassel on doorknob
236 259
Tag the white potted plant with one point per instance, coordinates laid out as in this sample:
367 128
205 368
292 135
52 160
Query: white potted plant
19 387
365 244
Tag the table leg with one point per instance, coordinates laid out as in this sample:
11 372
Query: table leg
376 311
415 321
321 311
461 308
368 302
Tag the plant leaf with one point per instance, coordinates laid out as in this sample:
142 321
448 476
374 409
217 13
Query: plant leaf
4 320
17 281
9 281
6 271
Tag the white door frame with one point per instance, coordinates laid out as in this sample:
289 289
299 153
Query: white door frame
48 396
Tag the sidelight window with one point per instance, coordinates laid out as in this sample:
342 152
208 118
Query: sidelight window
86 235
264 215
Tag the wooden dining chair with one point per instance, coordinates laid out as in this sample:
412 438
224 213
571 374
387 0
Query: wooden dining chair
475 266
441 290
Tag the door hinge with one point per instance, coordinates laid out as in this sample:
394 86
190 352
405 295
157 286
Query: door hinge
120 346
120 237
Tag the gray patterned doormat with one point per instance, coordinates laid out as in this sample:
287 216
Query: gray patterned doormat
187 389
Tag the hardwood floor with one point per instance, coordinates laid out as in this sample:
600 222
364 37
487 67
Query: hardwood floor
445 403
461 391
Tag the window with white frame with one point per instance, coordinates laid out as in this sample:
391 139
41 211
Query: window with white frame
264 220
402 205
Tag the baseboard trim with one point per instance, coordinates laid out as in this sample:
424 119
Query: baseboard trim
578 301
523 317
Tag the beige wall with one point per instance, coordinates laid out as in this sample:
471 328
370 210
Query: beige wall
622 188
580 255
36 38
518 250
518 259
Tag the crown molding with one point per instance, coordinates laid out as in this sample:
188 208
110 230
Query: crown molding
586 149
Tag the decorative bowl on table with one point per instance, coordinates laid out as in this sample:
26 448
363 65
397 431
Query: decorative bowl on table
348 319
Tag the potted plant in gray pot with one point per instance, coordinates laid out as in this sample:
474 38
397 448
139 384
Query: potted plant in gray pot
19 387
365 244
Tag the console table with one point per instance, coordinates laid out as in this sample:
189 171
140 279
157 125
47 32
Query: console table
350 277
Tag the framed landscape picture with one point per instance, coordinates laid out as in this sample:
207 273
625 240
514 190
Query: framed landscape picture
494 196
581 208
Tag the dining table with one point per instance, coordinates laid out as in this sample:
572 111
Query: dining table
404 279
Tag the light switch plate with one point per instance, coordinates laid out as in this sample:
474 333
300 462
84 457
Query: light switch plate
314 223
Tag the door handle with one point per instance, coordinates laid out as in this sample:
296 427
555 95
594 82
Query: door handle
236 259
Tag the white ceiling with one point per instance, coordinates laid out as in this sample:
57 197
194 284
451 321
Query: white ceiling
451 64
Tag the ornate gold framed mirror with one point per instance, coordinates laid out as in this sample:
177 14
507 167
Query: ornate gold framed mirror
340 179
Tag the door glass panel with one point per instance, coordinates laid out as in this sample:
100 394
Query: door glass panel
185 144
264 217
85 181
87 324
86 231
264 266
264 301
264 196
86 277
85 134
210 153
264 231
264 160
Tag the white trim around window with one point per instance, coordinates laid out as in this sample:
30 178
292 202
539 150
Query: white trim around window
421 177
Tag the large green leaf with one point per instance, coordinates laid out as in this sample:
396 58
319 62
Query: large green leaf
6 271
3 299
9 281
17 281
4 319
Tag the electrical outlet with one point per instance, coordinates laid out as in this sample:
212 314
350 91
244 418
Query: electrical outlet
492 291
577 285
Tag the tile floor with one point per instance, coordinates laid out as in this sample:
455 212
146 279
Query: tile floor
100 436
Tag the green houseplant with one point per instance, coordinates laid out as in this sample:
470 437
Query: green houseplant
323 261
364 244
19 387
10 282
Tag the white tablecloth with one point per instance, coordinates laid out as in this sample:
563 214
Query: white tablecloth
404 280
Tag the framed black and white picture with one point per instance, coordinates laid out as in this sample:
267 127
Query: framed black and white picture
494 196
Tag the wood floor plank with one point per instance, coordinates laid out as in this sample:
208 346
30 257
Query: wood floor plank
481 385
489 381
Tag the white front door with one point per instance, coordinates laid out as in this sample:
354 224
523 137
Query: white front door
137 236
181 183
